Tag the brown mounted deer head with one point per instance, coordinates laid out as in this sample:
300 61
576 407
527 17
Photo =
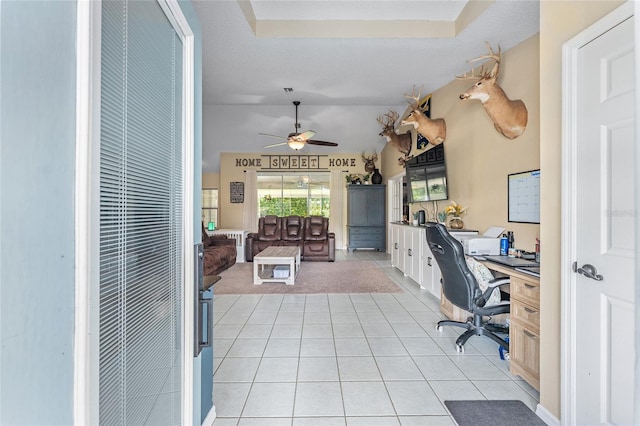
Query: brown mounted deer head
400 142
509 117
434 130
370 162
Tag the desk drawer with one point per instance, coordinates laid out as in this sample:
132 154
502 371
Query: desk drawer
525 315
524 351
526 291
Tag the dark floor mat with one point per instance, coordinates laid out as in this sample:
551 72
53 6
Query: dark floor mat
493 413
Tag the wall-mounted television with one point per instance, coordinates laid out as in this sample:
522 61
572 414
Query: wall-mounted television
427 176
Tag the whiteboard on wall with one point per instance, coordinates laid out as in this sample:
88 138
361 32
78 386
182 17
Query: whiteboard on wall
524 197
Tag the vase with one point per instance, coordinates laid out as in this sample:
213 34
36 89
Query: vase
376 177
456 223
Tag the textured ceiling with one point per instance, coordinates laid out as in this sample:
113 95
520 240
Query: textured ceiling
347 61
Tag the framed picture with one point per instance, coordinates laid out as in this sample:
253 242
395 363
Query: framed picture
236 192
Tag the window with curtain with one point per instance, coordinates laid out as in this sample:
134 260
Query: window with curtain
210 207
302 194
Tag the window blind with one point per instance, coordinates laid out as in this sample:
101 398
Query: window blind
141 217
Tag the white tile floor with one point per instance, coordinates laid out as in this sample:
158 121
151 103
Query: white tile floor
348 359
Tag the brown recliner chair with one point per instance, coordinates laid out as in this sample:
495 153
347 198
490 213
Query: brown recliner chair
319 244
269 234
292 231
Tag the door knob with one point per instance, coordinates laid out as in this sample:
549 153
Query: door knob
588 271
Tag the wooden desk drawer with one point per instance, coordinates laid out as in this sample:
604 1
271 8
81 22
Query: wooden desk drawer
524 352
525 315
525 291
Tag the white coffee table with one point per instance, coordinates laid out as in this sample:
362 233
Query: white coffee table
274 256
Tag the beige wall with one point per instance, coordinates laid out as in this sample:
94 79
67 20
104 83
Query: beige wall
559 22
478 157
210 181
233 166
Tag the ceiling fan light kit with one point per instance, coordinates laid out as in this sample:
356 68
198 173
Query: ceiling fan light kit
296 140
296 145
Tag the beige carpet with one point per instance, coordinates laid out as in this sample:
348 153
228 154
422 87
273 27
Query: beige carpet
362 276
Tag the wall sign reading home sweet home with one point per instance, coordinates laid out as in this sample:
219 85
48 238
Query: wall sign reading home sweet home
297 162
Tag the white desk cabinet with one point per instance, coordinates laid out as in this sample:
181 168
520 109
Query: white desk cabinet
410 253
397 260
430 272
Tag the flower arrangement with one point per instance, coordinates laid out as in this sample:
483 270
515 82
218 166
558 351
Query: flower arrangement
352 179
357 178
455 209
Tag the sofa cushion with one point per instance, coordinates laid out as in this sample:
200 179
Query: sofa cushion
206 239
269 228
218 258
292 228
316 228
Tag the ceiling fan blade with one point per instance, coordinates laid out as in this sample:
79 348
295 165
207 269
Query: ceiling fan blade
272 136
307 135
323 143
301 137
275 144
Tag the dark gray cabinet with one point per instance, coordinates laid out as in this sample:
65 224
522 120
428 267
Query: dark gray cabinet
366 216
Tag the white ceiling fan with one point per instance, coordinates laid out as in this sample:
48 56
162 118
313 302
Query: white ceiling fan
295 140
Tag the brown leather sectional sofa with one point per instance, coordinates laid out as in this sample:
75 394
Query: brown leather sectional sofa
311 234
219 253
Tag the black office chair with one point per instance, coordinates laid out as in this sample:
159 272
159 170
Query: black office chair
461 288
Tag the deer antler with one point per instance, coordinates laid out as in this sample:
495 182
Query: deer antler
414 100
373 157
483 72
392 117
388 120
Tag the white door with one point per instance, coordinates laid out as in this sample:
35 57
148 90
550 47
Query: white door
603 221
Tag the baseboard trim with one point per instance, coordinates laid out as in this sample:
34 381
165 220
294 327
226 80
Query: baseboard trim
546 416
211 416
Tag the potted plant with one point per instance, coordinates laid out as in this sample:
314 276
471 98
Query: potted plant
442 217
415 218
352 179
366 178
456 211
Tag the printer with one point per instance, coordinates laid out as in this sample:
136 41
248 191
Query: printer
486 244
481 246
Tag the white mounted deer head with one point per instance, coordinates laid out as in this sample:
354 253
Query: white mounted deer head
400 142
509 117
435 130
